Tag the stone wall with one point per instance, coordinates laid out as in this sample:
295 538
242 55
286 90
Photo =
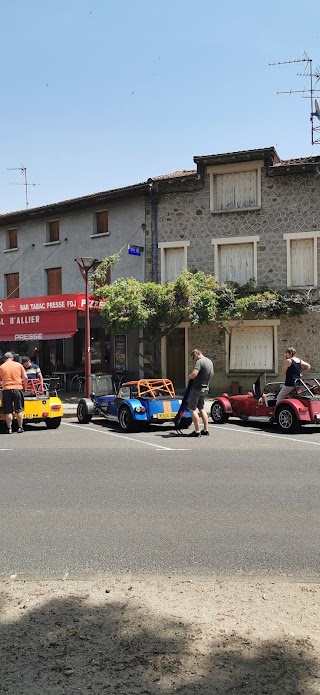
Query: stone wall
290 204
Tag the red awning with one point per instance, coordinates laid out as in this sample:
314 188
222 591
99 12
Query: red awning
44 325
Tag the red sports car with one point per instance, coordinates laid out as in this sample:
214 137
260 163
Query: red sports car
302 407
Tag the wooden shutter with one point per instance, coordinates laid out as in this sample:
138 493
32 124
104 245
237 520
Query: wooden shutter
236 262
54 281
175 263
54 231
12 285
102 222
236 191
302 257
12 238
251 348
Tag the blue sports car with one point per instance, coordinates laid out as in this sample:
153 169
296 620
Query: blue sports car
147 401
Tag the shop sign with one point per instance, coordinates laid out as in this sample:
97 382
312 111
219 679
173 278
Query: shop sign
38 326
120 353
52 303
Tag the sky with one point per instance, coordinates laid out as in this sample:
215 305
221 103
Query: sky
100 94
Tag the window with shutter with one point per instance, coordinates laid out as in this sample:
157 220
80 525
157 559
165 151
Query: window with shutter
12 238
174 259
302 270
235 259
12 283
101 222
235 187
54 281
251 348
54 232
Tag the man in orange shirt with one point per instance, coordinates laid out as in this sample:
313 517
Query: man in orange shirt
14 381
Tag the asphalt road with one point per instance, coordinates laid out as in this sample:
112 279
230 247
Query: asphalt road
86 500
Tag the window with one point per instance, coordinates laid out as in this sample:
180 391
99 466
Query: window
12 238
101 222
173 259
54 281
12 283
235 259
302 268
252 346
53 231
235 187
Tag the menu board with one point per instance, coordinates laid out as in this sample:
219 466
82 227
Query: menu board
120 353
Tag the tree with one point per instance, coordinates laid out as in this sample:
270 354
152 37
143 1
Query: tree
195 298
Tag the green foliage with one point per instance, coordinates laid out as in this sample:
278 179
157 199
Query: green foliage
194 297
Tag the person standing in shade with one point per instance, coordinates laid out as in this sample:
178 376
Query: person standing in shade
292 368
200 376
32 370
14 381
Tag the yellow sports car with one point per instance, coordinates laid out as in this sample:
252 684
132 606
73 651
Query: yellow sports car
40 405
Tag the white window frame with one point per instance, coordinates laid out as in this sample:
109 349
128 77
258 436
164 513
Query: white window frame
235 240
266 323
255 165
296 236
163 245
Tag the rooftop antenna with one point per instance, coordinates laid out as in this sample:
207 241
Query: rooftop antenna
26 184
314 79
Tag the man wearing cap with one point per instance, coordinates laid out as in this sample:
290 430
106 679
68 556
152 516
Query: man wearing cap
14 381
32 370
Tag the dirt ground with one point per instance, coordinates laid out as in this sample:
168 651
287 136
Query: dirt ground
159 636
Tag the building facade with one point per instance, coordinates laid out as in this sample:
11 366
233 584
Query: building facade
239 216
42 288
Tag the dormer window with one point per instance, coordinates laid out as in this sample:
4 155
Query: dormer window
235 187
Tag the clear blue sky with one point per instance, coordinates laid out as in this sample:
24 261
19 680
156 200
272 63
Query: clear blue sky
98 94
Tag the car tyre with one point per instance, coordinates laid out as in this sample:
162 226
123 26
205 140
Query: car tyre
126 421
287 420
185 422
53 423
83 414
218 414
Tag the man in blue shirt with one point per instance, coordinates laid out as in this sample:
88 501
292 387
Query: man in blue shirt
32 370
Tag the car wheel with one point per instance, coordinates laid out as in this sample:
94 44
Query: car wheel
53 423
185 422
218 414
287 420
126 420
83 414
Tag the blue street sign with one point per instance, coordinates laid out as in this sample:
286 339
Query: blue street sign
134 250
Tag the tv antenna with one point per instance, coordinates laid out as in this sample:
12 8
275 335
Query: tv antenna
26 184
314 80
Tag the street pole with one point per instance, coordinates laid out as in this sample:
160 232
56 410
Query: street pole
85 265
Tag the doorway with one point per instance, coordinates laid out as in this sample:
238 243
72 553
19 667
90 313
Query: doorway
176 347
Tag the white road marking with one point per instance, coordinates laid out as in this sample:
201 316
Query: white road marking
5 449
158 447
267 434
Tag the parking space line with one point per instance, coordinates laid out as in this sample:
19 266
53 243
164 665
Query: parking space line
121 436
5 449
266 434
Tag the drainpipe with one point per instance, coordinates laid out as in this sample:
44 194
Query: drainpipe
154 227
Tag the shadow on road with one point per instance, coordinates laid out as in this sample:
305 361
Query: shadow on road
67 646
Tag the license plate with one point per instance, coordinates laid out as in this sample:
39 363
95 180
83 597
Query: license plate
166 416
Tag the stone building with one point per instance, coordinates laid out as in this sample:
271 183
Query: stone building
41 289
238 216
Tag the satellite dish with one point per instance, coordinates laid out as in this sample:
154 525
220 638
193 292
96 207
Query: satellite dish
317 109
